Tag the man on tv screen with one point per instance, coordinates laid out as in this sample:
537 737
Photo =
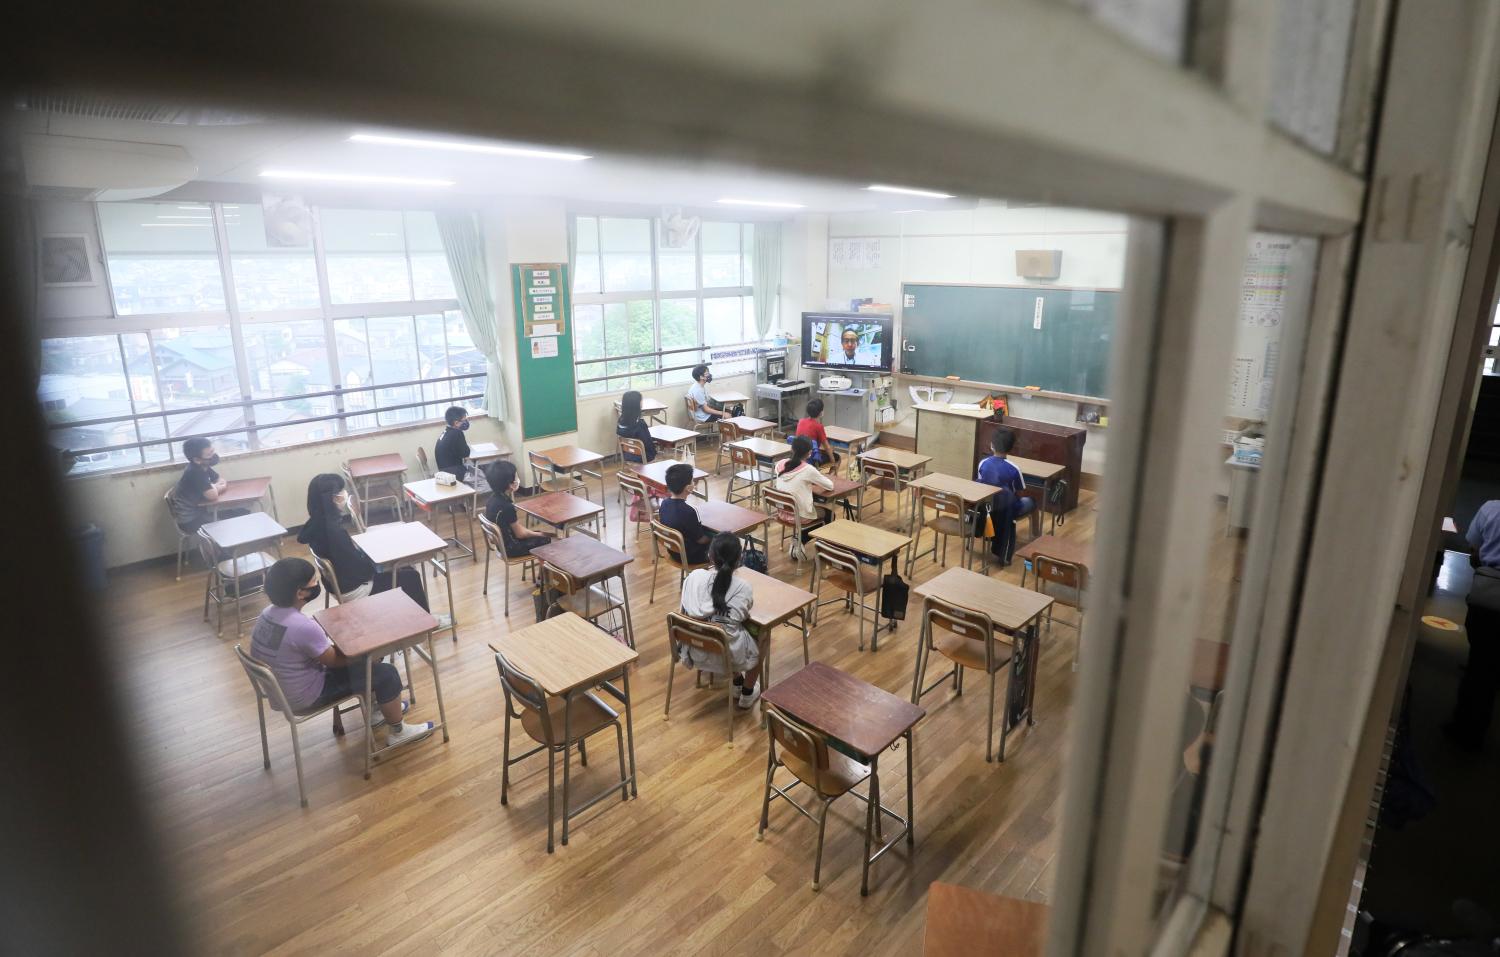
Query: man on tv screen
858 345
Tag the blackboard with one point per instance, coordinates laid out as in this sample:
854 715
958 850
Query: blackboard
549 404
992 334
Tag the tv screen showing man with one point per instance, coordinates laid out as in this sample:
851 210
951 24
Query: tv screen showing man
848 343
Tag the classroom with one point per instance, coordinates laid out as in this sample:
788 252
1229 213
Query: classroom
503 534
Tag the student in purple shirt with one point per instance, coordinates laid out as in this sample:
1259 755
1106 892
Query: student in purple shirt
1011 502
309 668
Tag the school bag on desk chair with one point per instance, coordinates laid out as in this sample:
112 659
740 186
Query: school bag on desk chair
894 593
755 559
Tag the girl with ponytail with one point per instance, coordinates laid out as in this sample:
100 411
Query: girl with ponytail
798 476
716 595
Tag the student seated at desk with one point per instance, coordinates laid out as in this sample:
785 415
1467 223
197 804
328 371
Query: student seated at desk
702 407
501 509
310 670
797 476
717 597
325 534
811 428
676 513
452 449
1011 502
199 487
632 426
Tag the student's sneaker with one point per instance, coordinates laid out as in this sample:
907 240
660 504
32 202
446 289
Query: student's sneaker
379 719
410 731
748 698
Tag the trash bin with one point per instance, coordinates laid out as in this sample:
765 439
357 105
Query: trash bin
89 541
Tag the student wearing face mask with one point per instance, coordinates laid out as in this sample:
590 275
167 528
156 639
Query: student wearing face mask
199 487
309 668
703 407
452 447
326 534
501 509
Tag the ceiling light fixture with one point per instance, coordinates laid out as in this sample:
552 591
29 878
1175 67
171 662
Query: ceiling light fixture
908 191
529 152
169 216
168 225
320 177
768 203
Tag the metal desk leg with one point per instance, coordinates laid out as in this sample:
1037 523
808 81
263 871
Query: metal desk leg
272 492
437 686
872 814
625 610
567 758
802 613
239 587
452 610
629 727
473 545
911 814
369 731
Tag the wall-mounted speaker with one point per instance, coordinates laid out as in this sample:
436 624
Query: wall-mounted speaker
1039 263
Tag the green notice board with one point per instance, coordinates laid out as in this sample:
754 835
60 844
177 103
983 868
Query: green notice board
1056 339
544 340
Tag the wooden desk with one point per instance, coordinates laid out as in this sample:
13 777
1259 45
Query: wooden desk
430 495
651 410
1045 472
482 452
852 441
736 520
962 922
234 537
589 562
371 469
842 489
869 541
376 626
1069 550
567 656
750 425
860 720
681 443
908 466
246 492
1011 608
729 398
764 448
561 510
571 458
776 603
410 543
655 473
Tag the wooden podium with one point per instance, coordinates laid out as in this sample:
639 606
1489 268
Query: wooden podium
958 438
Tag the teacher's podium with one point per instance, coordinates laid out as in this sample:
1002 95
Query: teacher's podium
957 438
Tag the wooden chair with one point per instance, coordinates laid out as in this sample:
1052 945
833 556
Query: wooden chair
556 726
967 639
372 491
665 542
495 545
728 432
708 428
951 519
628 446
184 537
746 471
828 774
331 589
567 590
632 485
843 570
1066 582
356 512
885 477
229 581
785 513
703 639
423 464
545 476
263 680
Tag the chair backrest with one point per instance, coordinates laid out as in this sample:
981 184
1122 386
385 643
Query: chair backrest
666 539
356 511
422 462
629 446
881 472
944 503
1053 571
208 550
632 482
263 680
522 690
779 500
797 739
961 621
329 576
698 635
743 458
729 432
541 466
556 578
491 533
835 557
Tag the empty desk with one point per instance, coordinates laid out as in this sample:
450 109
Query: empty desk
681 443
589 563
562 511
430 495
873 543
571 458
244 493
409 543
234 537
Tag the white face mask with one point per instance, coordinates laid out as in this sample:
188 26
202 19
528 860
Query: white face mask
341 500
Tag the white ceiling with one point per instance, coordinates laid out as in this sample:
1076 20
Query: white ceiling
238 154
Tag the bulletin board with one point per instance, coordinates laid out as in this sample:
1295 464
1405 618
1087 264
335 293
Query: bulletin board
544 353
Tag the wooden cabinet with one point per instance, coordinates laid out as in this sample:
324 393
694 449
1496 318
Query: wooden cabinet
1049 442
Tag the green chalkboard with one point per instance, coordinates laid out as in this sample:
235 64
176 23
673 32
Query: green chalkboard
549 403
990 334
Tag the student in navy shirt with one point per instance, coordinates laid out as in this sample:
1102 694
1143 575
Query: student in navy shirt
677 513
632 426
1011 502
452 448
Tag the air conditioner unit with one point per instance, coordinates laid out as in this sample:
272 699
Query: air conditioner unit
102 170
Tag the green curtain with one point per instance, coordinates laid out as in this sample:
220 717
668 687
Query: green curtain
766 275
464 247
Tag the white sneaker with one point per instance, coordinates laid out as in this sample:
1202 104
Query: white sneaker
410 731
379 718
748 698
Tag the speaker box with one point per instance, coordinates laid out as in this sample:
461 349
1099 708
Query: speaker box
1039 263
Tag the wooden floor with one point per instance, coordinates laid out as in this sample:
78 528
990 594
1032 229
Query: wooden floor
422 858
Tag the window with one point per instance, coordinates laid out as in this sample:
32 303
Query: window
660 288
270 366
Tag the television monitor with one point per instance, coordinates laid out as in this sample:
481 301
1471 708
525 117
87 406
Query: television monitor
847 340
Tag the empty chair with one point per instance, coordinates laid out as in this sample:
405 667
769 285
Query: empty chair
589 602
184 537
374 491
556 725
667 545
423 464
950 520
843 570
545 476
746 475
495 545
728 432
633 489
1066 583
709 641
785 514
885 477
230 580
967 639
828 774
263 680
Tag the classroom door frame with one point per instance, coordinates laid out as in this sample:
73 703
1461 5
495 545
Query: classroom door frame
1031 100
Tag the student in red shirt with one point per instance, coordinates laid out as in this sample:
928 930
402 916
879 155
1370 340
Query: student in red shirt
811 428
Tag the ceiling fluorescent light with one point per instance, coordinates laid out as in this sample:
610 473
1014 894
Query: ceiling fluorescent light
529 152
169 225
768 203
908 191
319 177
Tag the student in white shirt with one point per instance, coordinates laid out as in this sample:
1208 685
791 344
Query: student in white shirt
798 476
704 409
717 597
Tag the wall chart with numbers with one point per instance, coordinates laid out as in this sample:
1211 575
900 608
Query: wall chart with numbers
1277 283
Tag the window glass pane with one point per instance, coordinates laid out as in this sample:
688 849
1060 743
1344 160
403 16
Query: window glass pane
723 320
464 358
188 424
289 359
366 255
1495 335
353 348
586 258
1311 56
679 330
629 329
721 255
194 366
272 263
676 260
626 246
83 379
1158 26
162 257
432 357
138 369
394 358
747 253
430 276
